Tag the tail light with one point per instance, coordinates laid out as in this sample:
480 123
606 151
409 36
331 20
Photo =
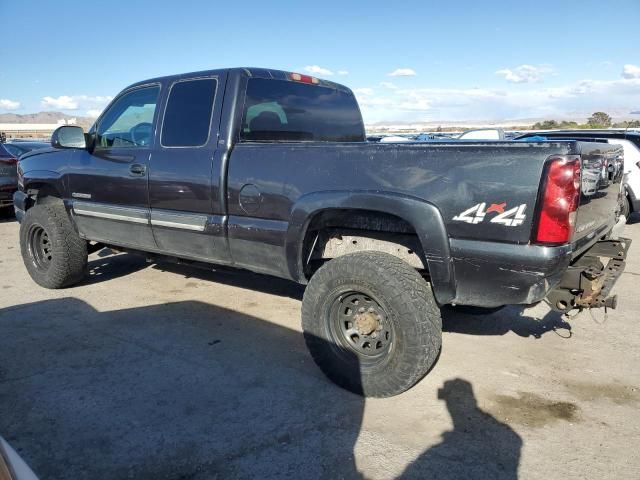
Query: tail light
559 200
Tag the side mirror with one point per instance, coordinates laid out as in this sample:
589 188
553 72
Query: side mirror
68 136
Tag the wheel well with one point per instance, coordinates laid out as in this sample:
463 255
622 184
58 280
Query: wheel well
335 232
41 193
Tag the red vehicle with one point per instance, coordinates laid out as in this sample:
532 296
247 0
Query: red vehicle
8 177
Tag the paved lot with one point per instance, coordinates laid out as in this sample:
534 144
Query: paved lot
166 372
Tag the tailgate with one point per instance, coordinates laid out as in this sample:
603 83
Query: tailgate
602 172
8 167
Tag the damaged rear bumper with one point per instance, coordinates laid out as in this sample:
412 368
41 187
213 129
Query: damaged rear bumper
588 282
491 274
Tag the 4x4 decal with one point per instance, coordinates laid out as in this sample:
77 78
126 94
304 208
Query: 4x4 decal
512 217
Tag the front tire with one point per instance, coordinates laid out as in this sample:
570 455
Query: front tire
371 323
53 253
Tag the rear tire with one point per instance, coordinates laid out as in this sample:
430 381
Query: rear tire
53 253
371 323
626 207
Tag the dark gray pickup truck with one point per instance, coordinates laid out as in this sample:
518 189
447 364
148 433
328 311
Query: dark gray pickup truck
269 171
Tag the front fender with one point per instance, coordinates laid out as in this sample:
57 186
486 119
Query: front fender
423 216
40 176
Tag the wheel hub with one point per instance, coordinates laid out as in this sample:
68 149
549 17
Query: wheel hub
360 324
366 323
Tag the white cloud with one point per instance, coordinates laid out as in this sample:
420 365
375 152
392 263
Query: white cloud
6 104
94 113
75 102
403 72
525 73
631 71
363 91
318 70
63 102
576 100
343 72
388 85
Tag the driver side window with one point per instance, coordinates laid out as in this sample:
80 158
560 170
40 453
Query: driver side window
129 121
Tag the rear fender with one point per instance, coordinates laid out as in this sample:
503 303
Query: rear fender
423 216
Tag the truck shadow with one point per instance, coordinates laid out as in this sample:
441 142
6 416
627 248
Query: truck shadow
107 266
237 278
510 319
6 215
193 391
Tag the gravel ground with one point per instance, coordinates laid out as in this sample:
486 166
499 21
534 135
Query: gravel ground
167 372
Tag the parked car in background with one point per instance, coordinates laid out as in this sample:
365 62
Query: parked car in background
630 142
483 134
17 148
396 139
435 136
8 176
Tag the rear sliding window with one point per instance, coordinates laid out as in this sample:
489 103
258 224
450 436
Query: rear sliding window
278 110
187 118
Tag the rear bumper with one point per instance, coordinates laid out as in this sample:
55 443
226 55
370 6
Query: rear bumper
588 282
490 274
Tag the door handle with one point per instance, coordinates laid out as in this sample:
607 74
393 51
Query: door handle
137 169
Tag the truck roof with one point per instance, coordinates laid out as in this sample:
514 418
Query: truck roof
252 72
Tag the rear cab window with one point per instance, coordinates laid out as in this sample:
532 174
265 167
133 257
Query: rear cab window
187 117
288 111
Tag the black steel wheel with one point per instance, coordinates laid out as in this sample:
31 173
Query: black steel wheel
39 247
53 253
371 323
359 323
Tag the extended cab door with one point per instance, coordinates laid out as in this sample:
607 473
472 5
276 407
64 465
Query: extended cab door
108 185
184 181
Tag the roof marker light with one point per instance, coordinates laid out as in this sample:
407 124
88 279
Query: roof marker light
298 77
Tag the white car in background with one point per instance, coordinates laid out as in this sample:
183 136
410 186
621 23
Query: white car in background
632 172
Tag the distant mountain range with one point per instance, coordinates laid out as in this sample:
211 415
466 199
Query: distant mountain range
46 117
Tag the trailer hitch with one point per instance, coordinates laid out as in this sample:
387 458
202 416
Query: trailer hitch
587 283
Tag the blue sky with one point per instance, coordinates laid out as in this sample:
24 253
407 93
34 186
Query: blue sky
463 60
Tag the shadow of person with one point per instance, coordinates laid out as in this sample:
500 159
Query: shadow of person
509 319
478 447
179 390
